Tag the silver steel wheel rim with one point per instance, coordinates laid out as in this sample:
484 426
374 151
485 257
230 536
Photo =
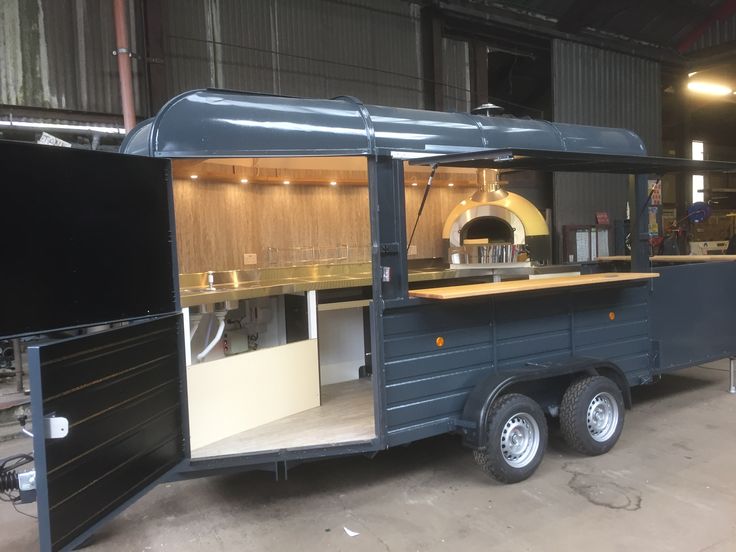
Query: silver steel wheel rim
602 417
520 440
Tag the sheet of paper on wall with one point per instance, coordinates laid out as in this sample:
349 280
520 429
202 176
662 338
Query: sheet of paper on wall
603 243
593 244
653 223
582 245
655 191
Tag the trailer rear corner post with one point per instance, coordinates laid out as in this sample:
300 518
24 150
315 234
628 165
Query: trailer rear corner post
732 366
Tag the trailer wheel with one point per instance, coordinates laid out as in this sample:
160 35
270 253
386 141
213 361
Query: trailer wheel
592 415
517 437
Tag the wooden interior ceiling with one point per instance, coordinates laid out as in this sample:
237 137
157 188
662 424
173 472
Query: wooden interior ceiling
311 171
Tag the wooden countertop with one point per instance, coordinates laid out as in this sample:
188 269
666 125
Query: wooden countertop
671 258
518 286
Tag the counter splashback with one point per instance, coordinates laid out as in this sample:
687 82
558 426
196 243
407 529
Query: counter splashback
218 223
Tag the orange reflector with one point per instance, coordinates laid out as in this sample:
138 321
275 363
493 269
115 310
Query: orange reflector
440 341
612 315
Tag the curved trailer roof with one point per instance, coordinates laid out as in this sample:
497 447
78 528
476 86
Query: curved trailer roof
222 123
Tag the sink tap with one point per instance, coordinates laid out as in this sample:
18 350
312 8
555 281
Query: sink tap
210 281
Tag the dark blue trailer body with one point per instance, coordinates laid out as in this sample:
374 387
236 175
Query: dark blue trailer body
693 307
536 341
427 386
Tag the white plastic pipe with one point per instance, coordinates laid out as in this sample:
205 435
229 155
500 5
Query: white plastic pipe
194 320
216 340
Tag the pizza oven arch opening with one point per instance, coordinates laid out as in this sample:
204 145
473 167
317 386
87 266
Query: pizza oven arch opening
490 228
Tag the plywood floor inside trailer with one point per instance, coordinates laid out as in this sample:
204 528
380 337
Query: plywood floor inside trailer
346 415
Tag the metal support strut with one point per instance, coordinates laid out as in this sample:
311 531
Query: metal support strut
732 366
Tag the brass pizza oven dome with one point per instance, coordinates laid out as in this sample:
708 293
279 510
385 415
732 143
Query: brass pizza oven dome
496 226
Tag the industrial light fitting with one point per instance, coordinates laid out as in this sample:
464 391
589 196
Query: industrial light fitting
64 126
710 88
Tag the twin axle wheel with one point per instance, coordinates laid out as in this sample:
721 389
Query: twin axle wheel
591 420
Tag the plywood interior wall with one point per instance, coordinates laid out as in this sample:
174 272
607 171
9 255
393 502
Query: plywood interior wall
218 222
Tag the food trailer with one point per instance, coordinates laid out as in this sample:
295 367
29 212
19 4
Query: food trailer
310 352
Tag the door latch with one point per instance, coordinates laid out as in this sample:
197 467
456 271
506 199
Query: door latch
56 427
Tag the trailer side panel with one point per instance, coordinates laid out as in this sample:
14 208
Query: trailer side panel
693 310
437 351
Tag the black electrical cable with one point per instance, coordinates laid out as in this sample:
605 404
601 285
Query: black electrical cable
421 205
9 477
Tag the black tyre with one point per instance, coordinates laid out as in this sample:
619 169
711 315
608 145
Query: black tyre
592 415
517 438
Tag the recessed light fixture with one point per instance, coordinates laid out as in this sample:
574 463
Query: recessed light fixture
413 183
333 183
709 88
194 177
287 182
450 184
243 180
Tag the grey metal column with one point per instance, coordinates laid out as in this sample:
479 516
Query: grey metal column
388 228
639 227
732 366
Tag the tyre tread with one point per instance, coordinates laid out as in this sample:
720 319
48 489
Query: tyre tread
483 459
571 404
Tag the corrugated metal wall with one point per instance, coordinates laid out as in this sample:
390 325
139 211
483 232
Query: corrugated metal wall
599 87
719 32
318 48
58 54
456 75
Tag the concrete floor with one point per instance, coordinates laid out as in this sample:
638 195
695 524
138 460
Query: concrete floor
670 484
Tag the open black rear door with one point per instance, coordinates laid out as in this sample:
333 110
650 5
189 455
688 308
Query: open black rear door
121 392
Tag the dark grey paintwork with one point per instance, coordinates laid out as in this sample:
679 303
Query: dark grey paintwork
693 308
221 123
427 386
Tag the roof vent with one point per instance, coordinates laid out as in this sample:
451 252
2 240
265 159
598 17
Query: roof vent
488 109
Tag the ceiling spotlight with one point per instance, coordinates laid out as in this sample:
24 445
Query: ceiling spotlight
287 182
413 183
243 180
450 184
333 183
709 88
194 177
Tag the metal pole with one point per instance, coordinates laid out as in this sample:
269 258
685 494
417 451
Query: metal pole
123 53
18 362
732 388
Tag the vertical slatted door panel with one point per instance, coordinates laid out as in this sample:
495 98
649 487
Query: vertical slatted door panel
121 392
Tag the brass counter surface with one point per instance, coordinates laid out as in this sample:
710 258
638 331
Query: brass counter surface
236 285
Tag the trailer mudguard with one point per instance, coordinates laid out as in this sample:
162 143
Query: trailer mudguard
478 405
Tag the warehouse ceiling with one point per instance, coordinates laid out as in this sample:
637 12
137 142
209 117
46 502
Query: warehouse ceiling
685 36
665 29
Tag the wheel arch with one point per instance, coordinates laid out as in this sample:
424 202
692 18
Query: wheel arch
479 401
